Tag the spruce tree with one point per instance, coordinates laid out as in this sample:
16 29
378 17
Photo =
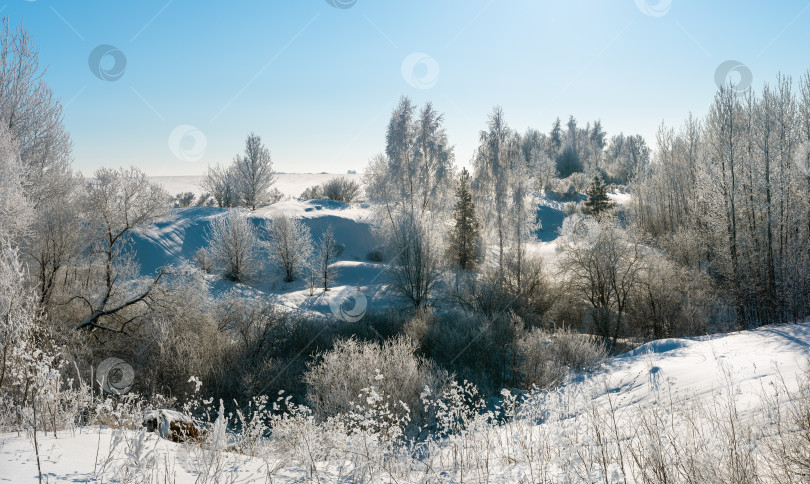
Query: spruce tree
464 236
598 200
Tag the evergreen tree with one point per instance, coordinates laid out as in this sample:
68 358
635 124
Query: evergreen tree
598 200
464 236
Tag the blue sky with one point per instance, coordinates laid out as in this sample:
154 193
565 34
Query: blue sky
318 82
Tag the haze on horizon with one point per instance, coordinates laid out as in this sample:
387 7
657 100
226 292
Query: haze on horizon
173 86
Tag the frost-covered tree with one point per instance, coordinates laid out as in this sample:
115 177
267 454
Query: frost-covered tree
495 155
290 245
416 173
33 115
253 171
624 157
412 186
502 186
233 246
221 183
464 238
418 260
116 203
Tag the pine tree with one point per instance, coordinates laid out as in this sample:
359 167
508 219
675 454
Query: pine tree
598 200
464 236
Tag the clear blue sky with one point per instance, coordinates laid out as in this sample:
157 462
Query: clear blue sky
318 82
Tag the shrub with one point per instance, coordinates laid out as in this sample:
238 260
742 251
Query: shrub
544 358
526 293
340 189
670 301
336 381
375 255
185 199
478 349
204 260
562 190
311 193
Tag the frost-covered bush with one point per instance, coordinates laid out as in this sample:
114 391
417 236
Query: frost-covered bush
290 246
311 193
563 190
234 246
179 338
204 260
185 199
336 382
341 189
544 358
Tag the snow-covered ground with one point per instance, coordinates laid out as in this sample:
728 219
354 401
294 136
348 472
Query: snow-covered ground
695 370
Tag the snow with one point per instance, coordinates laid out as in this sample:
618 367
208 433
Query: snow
90 452
694 367
700 366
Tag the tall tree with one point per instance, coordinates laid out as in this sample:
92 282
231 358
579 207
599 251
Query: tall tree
502 187
723 139
412 186
464 237
497 152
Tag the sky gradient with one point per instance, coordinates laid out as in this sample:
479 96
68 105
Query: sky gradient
171 86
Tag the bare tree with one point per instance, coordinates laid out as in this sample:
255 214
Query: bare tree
418 259
601 263
290 245
325 254
116 203
233 246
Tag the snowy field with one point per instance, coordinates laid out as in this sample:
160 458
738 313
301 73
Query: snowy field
684 373
289 184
